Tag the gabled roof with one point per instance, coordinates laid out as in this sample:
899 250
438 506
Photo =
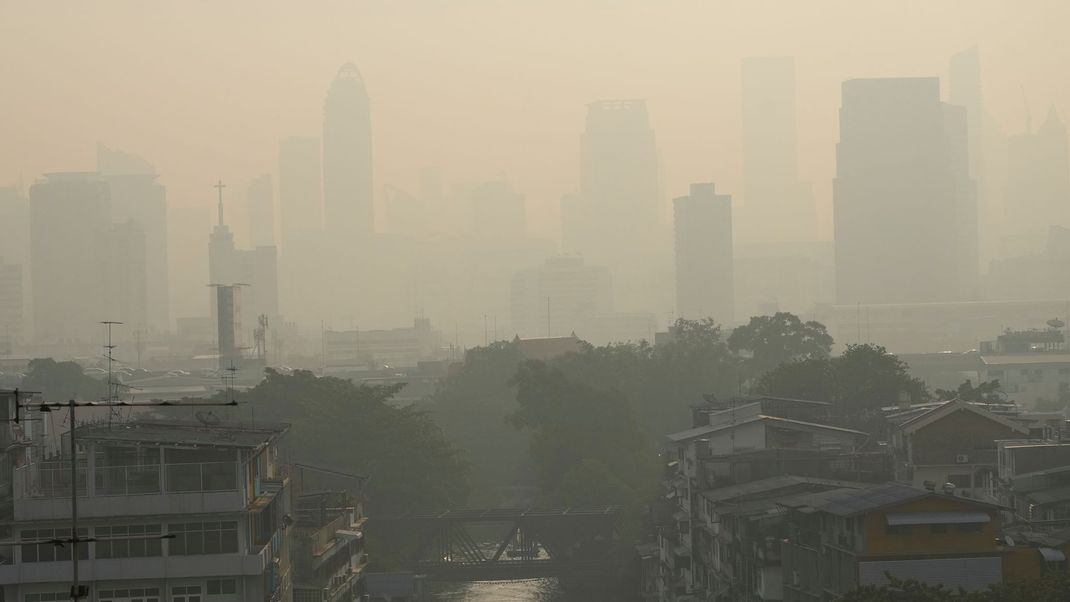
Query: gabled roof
861 501
769 486
700 431
946 409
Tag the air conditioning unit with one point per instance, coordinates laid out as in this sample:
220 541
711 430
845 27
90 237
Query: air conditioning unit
962 458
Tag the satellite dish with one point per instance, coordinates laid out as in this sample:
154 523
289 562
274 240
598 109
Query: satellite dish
1056 323
207 418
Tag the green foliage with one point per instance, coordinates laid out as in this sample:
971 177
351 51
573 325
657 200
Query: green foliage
778 339
864 377
986 391
1052 587
411 465
61 381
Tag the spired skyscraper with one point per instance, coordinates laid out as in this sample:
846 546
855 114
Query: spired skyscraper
777 206
1038 184
905 206
348 207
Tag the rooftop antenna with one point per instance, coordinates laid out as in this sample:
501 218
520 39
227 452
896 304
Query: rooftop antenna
220 186
112 394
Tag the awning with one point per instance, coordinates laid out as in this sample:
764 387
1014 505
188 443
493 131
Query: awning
1052 555
938 518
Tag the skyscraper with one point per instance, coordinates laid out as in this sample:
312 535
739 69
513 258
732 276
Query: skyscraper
777 206
905 207
137 196
257 268
11 313
619 186
705 285
498 212
347 160
1038 182
301 228
70 225
260 206
560 297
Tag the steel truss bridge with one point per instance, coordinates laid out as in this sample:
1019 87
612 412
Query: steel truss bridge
505 543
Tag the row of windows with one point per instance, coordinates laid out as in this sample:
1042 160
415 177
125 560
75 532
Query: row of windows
132 541
179 593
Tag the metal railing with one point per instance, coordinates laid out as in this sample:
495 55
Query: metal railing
52 480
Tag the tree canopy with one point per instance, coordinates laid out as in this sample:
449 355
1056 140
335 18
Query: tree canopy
780 338
1052 587
864 377
410 464
60 381
986 391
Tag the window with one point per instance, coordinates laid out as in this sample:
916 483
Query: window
188 593
970 528
220 587
147 594
143 541
39 548
47 597
897 530
203 538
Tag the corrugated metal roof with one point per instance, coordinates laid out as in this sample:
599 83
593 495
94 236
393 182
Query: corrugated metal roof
1052 555
937 518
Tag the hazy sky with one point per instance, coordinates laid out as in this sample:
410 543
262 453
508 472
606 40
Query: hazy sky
482 89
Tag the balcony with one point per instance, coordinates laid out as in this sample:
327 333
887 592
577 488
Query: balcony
42 491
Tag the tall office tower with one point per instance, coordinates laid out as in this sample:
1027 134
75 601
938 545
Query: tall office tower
777 206
189 260
498 212
705 285
347 161
126 282
561 297
70 226
15 244
615 219
136 196
1038 181
905 206
260 206
11 316
301 229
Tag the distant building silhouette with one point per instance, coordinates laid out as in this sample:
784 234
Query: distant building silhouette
613 220
260 206
905 208
136 196
15 245
257 268
777 206
70 225
229 339
301 227
562 297
347 159
1038 182
11 307
704 265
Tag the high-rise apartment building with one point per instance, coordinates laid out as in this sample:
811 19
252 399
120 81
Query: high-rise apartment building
70 225
301 227
347 160
704 261
136 196
777 206
905 206
11 312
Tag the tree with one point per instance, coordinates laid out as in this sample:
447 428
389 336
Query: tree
1051 587
410 464
987 391
60 381
780 338
864 377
